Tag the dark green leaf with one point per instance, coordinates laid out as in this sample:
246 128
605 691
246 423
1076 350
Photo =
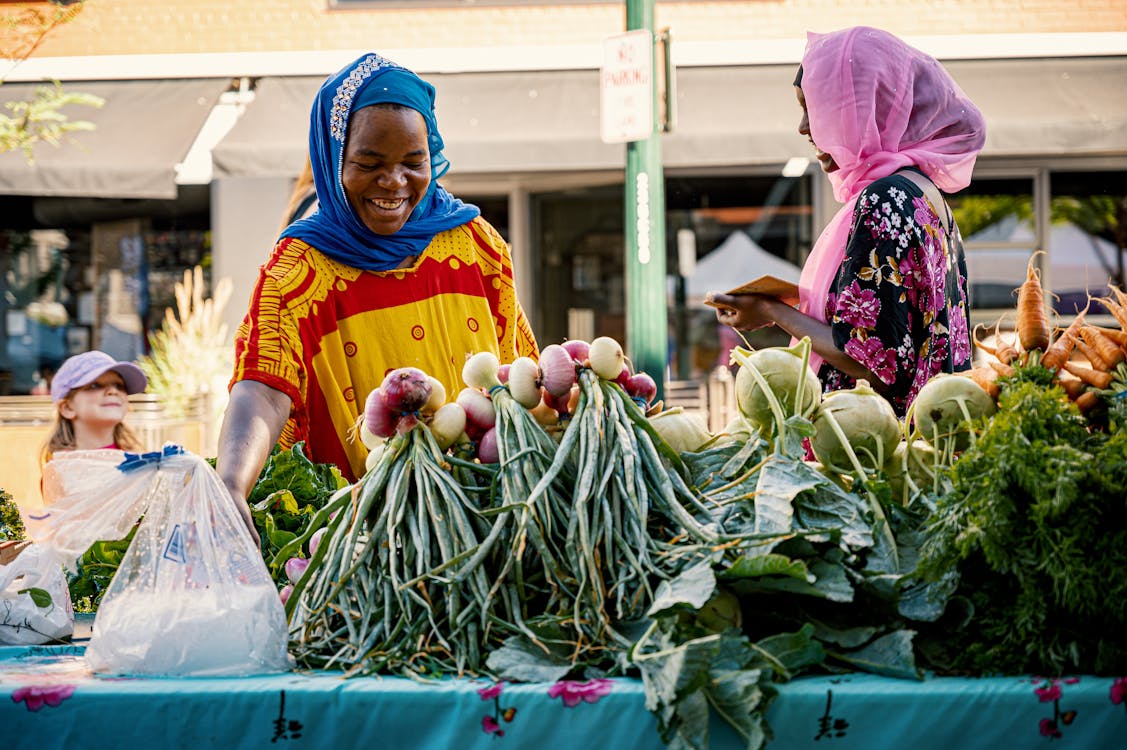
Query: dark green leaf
41 598
889 655
692 588
522 661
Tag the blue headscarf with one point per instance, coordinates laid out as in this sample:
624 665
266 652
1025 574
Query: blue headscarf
335 229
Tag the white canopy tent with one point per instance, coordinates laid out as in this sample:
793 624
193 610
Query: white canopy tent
736 260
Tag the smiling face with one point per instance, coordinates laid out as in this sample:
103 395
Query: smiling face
827 161
98 405
386 166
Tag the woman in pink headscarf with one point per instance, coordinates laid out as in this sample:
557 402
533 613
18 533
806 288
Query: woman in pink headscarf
883 295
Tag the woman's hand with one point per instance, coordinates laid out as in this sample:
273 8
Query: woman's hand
744 312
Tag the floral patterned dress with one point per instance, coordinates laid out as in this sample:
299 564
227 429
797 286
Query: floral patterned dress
899 304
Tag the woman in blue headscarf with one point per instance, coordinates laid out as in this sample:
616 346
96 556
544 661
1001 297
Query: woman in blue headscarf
391 271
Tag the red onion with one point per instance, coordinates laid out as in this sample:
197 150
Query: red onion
487 447
377 415
406 389
578 349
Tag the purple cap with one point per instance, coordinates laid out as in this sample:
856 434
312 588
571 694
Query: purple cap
87 367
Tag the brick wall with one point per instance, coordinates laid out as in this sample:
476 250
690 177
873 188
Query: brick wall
107 27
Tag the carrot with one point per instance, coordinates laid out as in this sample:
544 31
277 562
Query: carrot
1108 349
1060 350
1094 378
1117 335
1032 321
1004 370
1116 309
1072 387
986 377
1003 350
1087 401
1095 359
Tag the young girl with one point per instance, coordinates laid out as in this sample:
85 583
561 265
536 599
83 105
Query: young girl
91 393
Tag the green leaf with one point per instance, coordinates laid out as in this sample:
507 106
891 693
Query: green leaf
40 596
520 660
737 696
748 566
788 653
889 655
691 588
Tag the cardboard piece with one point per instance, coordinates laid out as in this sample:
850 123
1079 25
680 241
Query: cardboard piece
772 286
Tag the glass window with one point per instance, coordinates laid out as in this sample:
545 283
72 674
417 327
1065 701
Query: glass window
995 218
1087 236
734 228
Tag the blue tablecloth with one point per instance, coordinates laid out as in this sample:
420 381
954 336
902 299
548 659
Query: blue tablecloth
49 700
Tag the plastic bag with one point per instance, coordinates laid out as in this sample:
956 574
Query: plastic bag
192 596
43 612
87 499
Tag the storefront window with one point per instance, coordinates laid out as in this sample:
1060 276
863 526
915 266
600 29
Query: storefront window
1088 236
102 284
1084 239
995 217
720 232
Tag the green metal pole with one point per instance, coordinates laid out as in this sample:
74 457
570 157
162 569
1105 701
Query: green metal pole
647 333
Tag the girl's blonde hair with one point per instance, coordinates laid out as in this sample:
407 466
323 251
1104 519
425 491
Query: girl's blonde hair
62 437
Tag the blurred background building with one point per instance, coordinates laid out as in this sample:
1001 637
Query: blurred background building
194 152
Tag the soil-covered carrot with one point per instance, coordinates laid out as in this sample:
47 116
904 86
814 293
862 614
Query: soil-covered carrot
1033 328
1094 378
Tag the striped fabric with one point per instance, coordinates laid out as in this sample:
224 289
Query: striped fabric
326 334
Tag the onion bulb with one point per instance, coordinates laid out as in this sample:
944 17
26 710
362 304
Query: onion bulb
378 419
437 396
487 447
448 424
578 349
478 407
641 385
480 371
406 389
557 370
367 437
524 377
607 358
315 540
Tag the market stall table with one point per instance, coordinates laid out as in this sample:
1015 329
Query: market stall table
54 702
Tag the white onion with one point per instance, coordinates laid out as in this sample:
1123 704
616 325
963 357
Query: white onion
448 424
480 371
437 396
607 358
524 376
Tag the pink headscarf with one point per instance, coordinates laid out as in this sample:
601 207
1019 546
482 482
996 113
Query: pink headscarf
877 105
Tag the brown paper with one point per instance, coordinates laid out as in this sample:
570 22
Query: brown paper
771 286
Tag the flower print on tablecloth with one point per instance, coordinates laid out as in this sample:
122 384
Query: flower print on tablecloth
36 697
491 724
573 692
1051 690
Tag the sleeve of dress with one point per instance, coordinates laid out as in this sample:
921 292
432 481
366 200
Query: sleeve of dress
265 343
873 314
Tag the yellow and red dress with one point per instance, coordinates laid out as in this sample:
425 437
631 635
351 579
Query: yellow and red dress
326 334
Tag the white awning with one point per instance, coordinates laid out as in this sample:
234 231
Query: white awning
144 129
548 121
